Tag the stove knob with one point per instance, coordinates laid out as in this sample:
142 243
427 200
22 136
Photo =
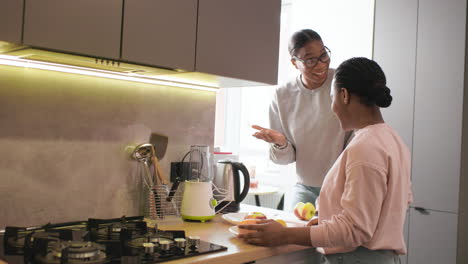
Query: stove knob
180 242
149 248
165 245
154 240
194 242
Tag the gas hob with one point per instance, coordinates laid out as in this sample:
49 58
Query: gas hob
95 241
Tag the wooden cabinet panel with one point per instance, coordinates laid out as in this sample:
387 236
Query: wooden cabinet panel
440 67
160 32
11 20
86 27
239 39
432 237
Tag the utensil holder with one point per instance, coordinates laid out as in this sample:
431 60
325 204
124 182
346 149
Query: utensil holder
162 208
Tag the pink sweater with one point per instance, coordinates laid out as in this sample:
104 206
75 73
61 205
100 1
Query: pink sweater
365 195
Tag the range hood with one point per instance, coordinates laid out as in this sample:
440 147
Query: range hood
163 76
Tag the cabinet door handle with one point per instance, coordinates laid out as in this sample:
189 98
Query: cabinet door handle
421 210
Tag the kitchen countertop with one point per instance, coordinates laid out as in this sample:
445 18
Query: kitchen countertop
216 231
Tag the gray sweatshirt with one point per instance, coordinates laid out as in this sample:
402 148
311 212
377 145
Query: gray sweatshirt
315 138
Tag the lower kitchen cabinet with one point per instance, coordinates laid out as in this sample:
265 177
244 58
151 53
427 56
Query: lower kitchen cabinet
432 237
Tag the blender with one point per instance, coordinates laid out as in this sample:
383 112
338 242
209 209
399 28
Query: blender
198 203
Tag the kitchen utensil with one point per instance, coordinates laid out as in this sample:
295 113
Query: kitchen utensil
160 144
143 153
227 178
157 167
159 188
167 206
174 187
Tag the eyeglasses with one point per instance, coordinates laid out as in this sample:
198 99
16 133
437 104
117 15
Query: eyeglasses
312 62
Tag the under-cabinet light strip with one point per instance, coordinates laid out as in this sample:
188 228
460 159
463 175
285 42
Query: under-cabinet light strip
18 62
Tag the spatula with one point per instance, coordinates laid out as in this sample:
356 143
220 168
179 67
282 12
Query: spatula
160 144
167 206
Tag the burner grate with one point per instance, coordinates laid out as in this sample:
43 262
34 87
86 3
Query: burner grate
119 240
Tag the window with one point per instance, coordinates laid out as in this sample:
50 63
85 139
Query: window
346 27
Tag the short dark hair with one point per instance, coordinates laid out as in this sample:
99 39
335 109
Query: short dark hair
364 78
300 38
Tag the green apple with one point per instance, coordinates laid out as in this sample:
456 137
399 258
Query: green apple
304 211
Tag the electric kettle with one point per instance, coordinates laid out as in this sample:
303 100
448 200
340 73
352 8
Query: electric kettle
227 178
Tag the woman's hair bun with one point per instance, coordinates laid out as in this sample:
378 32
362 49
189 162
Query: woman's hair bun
384 98
364 78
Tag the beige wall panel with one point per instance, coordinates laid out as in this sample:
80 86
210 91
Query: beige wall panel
62 141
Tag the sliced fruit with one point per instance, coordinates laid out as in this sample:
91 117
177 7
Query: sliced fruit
281 221
255 215
247 222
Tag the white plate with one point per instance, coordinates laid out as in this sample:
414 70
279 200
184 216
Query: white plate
234 230
234 218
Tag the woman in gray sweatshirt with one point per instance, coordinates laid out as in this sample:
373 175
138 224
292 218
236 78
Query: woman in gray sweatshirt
303 128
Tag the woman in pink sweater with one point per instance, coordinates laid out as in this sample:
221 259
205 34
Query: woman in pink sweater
366 193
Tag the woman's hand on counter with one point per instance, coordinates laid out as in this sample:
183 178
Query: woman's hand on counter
271 233
266 233
312 222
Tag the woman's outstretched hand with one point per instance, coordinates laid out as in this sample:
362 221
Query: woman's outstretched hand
270 135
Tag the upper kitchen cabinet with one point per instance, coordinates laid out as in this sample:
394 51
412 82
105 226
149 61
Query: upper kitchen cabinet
11 20
239 39
160 33
87 27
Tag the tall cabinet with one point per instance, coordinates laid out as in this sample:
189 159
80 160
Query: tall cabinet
423 55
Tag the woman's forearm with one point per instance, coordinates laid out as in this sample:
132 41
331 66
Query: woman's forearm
298 236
